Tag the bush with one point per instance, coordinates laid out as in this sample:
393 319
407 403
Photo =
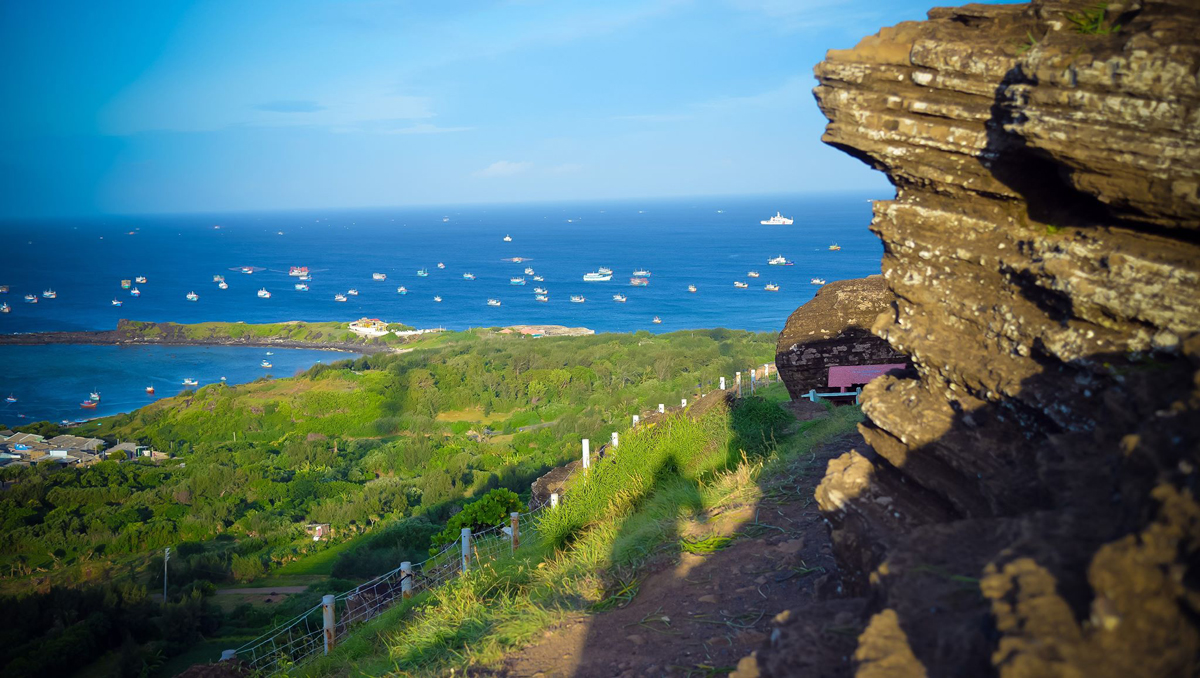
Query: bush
490 510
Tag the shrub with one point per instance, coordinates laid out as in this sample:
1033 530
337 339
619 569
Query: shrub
490 510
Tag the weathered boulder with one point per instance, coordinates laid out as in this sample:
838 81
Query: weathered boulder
1028 502
834 328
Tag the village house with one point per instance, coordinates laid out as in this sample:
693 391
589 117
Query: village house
369 327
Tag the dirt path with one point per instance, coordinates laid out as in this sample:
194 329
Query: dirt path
698 615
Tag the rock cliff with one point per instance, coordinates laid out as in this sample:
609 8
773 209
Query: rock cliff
1026 505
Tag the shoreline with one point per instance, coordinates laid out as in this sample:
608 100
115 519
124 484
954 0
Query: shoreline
118 338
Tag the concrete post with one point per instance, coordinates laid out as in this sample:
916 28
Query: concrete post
636 419
739 384
327 615
766 373
515 522
587 454
751 382
683 402
616 442
722 383
662 408
554 500
466 549
406 579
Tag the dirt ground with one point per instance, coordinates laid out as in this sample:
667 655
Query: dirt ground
697 615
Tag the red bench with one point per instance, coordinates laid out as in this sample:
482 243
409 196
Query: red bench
847 376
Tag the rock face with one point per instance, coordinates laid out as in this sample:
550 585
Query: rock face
834 329
1027 505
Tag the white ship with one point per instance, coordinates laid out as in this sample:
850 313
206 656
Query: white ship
50 294
740 285
339 297
301 287
691 288
541 297
353 293
657 320
4 308
508 238
192 296
605 270
779 261
468 276
31 298
538 278
540 290
264 364
771 287
493 302
516 281
596 276
117 302
437 299
218 278
441 265
190 382
423 273
578 298
401 290
619 298
753 274
135 292
641 273
264 294
835 247
528 270
141 280
818 281
223 285
777 220
379 276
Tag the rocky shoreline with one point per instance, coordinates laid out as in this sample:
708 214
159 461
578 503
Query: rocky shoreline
119 338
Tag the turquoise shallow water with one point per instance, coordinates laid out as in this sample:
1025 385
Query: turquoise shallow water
50 381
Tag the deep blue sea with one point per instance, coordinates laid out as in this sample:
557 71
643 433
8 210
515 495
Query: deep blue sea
706 242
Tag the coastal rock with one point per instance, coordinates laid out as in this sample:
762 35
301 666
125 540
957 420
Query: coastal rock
834 328
1026 505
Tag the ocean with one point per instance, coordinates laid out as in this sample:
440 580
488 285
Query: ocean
706 242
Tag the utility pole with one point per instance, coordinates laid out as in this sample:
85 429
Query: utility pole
166 557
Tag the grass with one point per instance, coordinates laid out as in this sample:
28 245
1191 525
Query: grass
586 555
320 562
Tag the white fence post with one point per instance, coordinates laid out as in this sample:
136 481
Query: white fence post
616 442
587 454
554 500
751 382
515 524
636 419
662 408
406 579
327 614
683 402
466 549
227 655
722 383
766 373
739 384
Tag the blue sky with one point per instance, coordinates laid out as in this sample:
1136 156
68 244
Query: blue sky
170 106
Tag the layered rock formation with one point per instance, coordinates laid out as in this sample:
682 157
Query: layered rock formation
834 328
1027 505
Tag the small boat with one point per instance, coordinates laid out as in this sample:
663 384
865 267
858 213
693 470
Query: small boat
541 297
691 288
771 287
516 281
223 378
135 292
597 276
639 282
117 302
818 281
264 294
401 290
297 271
88 405
740 285
540 290
306 278
301 287
437 299
3 289
50 294
95 396
779 261
247 270
578 298
192 382
835 247
641 273
493 302
223 285
603 270
378 276
270 353
339 297
149 390
353 293
528 270
4 308
619 298
423 273
538 278
126 284
264 364
441 265
445 219
218 278
517 260
31 298
657 320
777 220
279 233
10 399
753 274
141 280
508 238
468 276
192 296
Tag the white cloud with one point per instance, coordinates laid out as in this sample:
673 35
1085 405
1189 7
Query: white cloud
503 168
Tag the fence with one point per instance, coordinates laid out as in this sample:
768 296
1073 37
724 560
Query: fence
319 629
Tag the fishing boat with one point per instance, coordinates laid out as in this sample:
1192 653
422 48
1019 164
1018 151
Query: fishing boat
297 271
192 296
508 238
516 281
468 276
31 298
740 285
306 278
639 282
517 260
779 261
657 320
493 302
3 289
223 285
218 278
753 274
247 270
528 270
50 294
541 297
264 294
445 219
641 273
424 273
619 298
135 292
578 298
141 280
4 308
270 353
192 382
379 276
117 302
437 299
94 396
441 265
771 287
87 405
149 390
540 290
353 293
539 278
818 281
835 247
126 284
10 399
401 290
339 297
301 287
596 276
604 270
691 288
264 364
777 220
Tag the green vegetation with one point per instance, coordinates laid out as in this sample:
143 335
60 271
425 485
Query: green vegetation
489 510
331 333
1093 21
